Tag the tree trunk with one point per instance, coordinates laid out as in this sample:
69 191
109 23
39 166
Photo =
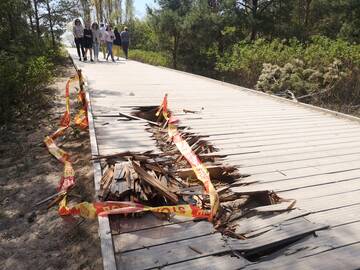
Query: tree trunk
37 20
101 11
51 24
11 25
254 10
117 8
307 12
86 9
174 51
30 14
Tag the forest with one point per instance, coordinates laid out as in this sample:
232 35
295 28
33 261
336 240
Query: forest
301 49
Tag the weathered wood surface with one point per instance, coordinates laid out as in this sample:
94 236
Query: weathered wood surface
303 153
173 251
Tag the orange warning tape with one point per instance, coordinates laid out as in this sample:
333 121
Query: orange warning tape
164 108
68 178
91 210
199 169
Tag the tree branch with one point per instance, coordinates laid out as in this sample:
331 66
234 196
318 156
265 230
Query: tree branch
244 5
265 6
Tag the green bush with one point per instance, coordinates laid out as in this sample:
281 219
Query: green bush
244 63
302 81
152 58
38 73
10 84
21 83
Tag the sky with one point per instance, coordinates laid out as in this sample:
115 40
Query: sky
140 7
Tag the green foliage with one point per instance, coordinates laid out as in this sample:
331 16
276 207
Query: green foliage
38 72
300 80
153 58
27 58
21 83
244 61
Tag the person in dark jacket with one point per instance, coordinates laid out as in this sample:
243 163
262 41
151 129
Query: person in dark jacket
117 43
78 31
125 41
88 41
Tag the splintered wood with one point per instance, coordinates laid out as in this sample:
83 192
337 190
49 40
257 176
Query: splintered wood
166 178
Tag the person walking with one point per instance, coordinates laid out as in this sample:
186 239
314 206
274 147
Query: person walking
109 42
117 43
88 42
125 40
96 40
103 39
78 32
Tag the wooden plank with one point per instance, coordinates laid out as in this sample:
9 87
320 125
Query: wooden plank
287 232
305 167
160 235
180 251
338 237
300 182
247 225
171 253
323 190
287 151
344 258
155 183
204 127
318 167
225 262
227 147
331 201
351 149
279 207
337 217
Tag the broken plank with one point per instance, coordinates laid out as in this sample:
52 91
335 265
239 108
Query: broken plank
287 232
214 171
160 235
324 241
175 252
279 207
259 222
183 250
133 117
151 180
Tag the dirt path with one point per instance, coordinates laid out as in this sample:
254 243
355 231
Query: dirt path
37 238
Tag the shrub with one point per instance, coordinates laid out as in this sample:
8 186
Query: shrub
304 82
38 73
20 84
152 58
245 60
10 84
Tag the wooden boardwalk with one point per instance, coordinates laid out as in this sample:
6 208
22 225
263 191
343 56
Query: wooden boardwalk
303 153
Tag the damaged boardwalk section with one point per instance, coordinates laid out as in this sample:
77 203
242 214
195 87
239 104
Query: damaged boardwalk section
287 175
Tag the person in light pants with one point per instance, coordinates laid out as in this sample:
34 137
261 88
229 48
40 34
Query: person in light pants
96 39
103 39
110 36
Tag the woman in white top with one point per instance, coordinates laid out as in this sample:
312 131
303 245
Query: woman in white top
96 39
78 31
109 42
103 39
